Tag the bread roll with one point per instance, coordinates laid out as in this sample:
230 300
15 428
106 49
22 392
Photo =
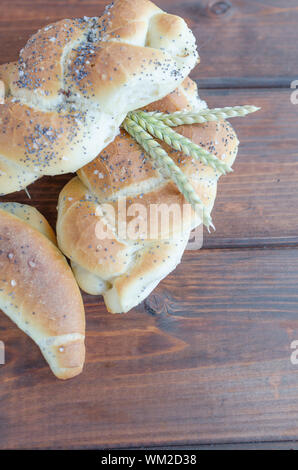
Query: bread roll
76 80
38 291
123 269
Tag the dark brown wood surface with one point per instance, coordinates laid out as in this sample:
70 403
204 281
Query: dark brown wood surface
206 358
240 41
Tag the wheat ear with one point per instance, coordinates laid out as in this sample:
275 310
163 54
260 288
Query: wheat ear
178 142
163 161
205 115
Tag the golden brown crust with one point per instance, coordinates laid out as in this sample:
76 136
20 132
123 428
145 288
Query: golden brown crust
76 80
42 141
38 291
79 234
123 168
31 216
123 13
120 166
110 67
6 74
51 133
175 101
41 66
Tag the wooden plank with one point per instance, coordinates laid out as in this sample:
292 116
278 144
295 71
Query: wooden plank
207 357
256 205
247 42
210 363
240 42
287 445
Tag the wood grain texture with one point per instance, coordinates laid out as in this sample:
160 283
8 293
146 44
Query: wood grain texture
209 363
277 445
241 42
206 358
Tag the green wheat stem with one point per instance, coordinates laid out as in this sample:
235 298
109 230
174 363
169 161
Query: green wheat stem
178 142
163 161
205 115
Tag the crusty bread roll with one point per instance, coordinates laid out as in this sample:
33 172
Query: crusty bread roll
76 80
126 270
38 291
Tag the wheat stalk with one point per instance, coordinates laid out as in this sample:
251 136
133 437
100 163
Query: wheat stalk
160 156
205 115
178 142
137 123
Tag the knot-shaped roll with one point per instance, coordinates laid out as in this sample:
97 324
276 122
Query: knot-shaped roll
76 80
125 269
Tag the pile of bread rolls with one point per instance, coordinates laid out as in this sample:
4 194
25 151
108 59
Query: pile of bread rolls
65 100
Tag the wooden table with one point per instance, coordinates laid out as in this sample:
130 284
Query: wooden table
206 359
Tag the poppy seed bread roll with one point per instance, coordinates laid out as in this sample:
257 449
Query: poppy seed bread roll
122 268
38 291
76 80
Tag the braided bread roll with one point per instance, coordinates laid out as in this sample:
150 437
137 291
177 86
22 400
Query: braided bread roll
76 80
38 291
126 270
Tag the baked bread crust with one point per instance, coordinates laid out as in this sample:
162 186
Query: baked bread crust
38 291
125 271
76 80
